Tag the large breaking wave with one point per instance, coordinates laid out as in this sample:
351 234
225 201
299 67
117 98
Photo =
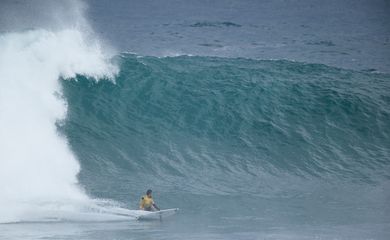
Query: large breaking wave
228 126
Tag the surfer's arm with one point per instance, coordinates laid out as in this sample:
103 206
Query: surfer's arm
155 206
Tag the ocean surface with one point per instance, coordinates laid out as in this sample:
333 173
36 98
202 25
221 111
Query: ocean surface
257 119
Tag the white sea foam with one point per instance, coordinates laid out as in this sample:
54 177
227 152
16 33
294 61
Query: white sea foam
38 171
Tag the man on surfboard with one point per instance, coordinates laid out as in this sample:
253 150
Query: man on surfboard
147 202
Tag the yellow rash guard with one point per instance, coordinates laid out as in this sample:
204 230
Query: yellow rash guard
146 202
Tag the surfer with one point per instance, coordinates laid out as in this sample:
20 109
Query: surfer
147 202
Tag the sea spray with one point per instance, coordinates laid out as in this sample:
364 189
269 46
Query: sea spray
38 172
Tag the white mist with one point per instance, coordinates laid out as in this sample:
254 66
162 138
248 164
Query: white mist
38 172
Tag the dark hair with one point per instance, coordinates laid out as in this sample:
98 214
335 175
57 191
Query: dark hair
149 191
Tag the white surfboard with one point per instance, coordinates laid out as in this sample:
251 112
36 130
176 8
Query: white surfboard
157 214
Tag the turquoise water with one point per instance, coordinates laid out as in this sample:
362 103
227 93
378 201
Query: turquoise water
241 146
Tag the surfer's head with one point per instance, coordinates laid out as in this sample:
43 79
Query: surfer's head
149 192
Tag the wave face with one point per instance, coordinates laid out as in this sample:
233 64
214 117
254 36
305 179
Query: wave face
232 142
205 125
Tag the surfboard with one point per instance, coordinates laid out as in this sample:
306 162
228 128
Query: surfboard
157 215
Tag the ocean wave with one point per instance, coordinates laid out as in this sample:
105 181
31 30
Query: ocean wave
213 125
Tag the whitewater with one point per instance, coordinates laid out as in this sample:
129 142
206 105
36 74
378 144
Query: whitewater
38 171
